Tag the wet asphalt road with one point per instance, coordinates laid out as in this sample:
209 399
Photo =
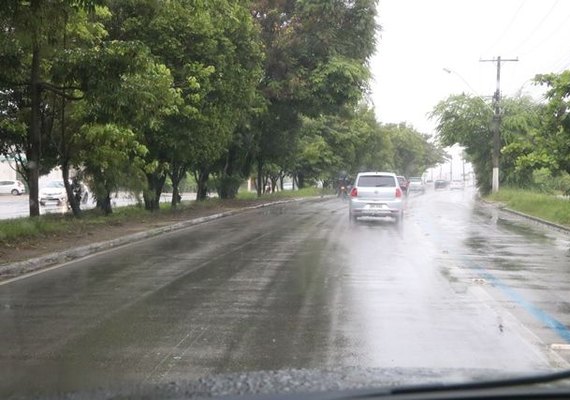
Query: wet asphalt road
296 286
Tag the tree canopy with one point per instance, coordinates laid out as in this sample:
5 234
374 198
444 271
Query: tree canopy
132 94
535 136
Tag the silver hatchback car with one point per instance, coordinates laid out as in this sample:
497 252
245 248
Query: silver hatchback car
376 194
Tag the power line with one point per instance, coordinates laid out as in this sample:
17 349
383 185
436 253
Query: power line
537 26
564 66
508 27
562 24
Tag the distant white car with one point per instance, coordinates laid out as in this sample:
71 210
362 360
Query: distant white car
53 193
15 187
457 185
416 184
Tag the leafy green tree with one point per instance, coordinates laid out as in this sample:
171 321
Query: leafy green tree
316 63
136 96
112 158
332 145
413 151
554 149
79 34
212 50
31 36
525 147
466 120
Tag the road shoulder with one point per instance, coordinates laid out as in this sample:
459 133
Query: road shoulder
501 207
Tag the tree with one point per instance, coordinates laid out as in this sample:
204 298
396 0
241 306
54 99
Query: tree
413 151
212 50
31 35
555 140
316 63
113 158
525 148
80 33
466 120
344 143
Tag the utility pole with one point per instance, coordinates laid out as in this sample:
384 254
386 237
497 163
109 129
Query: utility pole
496 123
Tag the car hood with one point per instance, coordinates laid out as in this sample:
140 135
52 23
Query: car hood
52 191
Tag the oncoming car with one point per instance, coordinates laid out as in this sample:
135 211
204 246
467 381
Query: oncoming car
376 194
457 185
53 193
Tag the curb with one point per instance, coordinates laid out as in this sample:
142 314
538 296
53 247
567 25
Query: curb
10 271
548 224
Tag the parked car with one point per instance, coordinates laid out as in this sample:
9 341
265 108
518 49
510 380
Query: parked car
457 185
53 193
416 184
440 184
403 183
15 187
376 194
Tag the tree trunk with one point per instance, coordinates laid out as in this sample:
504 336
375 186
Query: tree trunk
273 180
71 199
202 176
34 134
104 204
301 180
176 175
176 198
260 185
152 195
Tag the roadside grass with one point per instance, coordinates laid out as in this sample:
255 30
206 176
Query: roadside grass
14 230
548 207
285 194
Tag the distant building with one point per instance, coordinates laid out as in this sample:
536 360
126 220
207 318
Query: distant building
8 172
7 169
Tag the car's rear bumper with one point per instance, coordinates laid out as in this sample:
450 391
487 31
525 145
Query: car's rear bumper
361 208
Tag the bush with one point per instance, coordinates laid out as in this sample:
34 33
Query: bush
227 186
544 182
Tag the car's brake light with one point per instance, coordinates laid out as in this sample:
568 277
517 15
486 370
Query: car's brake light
354 192
398 193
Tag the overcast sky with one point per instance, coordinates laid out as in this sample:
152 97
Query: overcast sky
421 37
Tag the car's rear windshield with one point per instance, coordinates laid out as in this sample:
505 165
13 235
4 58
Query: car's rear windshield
414 179
376 181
